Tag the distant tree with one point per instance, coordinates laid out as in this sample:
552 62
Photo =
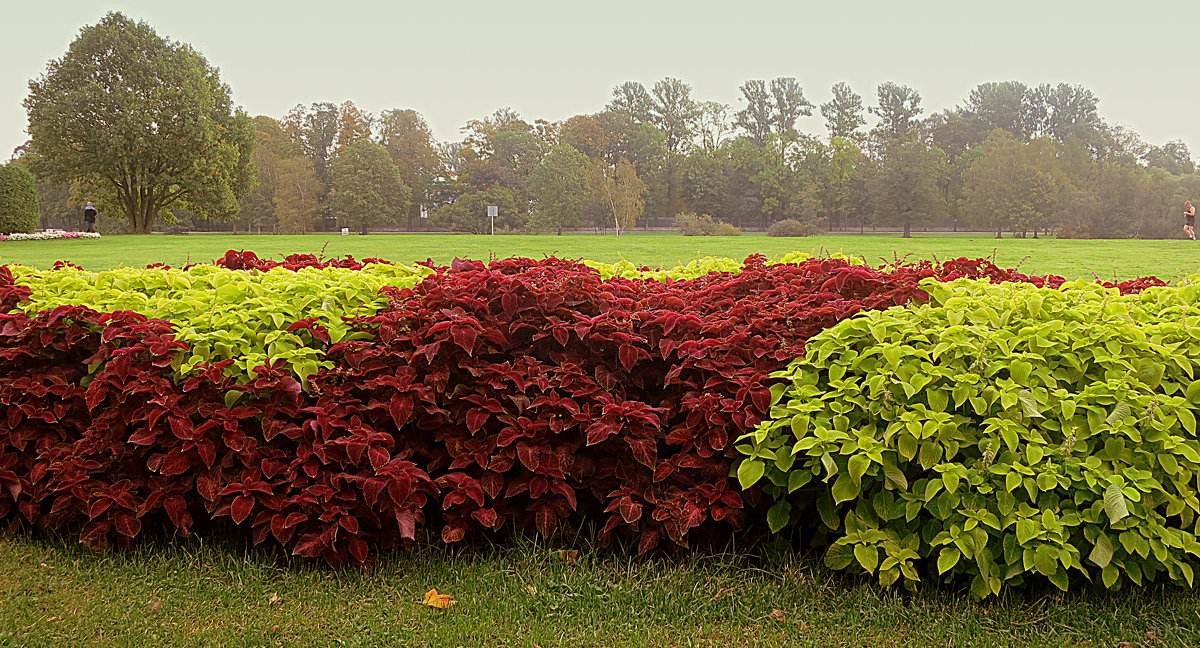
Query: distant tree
843 113
1002 105
835 171
954 131
789 105
142 123
258 206
18 199
772 109
755 118
315 130
366 189
675 113
898 109
1119 143
584 134
410 143
632 99
905 190
559 184
296 197
714 125
1173 156
1004 189
451 156
617 192
469 212
353 125
1064 110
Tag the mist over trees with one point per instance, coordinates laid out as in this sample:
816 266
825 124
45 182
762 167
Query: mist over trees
1010 159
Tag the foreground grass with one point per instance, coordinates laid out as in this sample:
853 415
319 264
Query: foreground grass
1123 259
57 594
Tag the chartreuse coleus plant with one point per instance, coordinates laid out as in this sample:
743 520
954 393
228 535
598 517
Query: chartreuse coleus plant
1001 434
224 314
695 268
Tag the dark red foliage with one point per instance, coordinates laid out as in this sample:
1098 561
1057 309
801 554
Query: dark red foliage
247 260
515 395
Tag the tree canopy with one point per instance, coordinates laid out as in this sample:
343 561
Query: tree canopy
144 124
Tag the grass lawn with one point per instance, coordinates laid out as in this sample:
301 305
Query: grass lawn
1124 259
57 594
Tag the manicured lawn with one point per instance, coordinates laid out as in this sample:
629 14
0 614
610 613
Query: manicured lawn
1123 259
57 594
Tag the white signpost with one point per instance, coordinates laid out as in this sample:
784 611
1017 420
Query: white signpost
493 211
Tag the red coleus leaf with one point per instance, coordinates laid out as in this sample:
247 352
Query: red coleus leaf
379 457
628 355
240 509
464 336
630 511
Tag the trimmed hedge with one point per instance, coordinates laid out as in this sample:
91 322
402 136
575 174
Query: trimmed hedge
18 200
1001 434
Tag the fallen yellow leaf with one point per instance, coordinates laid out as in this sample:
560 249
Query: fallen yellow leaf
440 601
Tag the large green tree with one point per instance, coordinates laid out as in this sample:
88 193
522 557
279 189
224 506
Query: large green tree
18 199
1006 188
844 113
365 187
410 143
559 184
143 123
898 109
905 191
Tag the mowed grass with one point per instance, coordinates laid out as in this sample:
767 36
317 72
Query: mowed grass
56 594
1108 259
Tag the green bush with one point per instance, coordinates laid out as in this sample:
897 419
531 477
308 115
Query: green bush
693 224
725 229
790 227
18 200
1001 434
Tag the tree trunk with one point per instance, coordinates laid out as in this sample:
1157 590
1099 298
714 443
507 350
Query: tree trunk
907 230
560 230
999 233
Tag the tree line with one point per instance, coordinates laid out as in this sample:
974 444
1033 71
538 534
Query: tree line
1010 158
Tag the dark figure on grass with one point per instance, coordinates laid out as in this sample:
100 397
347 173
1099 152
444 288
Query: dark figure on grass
89 218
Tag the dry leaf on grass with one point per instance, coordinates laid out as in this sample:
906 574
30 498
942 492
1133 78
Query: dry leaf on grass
778 616
439 601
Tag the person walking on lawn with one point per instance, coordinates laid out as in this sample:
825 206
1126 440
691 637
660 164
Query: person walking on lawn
89 217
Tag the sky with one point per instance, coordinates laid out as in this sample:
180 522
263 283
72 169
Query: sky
453 61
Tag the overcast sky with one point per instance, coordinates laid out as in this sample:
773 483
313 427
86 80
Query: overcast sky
455 61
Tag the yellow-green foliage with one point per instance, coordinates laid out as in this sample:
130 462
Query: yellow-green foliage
229 314
999 433
697 268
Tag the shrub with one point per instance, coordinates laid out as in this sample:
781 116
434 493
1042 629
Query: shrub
789 227
1001 434
517 395
692 224
18 200
726 229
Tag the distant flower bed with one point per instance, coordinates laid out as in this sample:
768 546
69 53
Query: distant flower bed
43 236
